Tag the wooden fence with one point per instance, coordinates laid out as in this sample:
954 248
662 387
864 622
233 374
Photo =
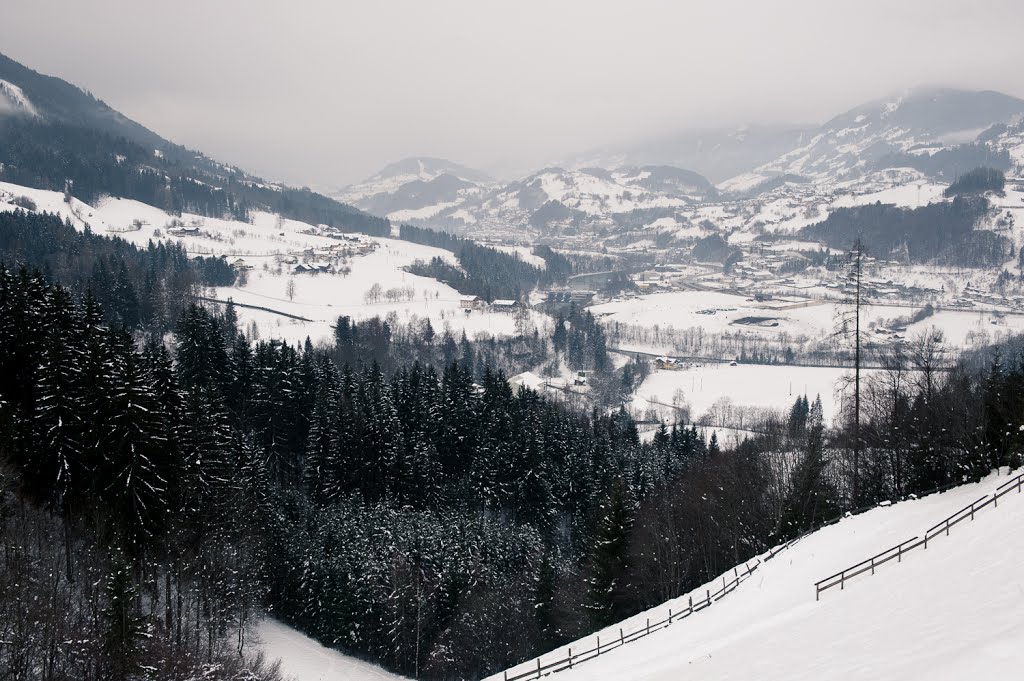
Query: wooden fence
897 552
640 629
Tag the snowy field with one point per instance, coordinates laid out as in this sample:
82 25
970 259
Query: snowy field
718 312
263 244
303 659
744 385
953 611
324 297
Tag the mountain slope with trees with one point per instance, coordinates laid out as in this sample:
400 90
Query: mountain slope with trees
78 144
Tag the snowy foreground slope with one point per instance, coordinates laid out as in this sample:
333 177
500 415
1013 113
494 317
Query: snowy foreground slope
303 659
953 611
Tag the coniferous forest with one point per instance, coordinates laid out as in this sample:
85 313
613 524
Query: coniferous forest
388 493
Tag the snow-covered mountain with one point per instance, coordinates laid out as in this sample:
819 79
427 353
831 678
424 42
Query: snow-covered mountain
904 148
416 189
935 131
443 194
13 100
585 198
57 101
717 154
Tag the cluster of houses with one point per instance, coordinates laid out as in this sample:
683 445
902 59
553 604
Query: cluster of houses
470 303
184 230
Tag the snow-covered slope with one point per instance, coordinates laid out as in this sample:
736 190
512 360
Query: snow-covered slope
303 659
588 196
920 122
415 189
269 249
953 611
13 99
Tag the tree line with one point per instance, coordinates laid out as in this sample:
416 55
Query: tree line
136 288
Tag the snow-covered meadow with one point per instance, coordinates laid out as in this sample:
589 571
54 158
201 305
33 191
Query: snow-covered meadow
265 245
721 387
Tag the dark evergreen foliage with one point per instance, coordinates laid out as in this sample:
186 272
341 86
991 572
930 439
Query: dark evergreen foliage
136 287
392 495
977 181
920 234
951 162
485 272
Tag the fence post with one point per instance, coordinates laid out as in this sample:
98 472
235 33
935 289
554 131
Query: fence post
670 615
570 658
709 596
842 580
899 553
872 565
691 605
598 645
622 639
506 675
972 511
648 626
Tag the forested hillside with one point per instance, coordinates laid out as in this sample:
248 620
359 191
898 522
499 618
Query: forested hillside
89 163
485 272
916 235
136 288
159 492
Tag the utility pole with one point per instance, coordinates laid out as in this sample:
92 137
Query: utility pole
857 275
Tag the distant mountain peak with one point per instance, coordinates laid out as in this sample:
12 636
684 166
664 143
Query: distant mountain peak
429 167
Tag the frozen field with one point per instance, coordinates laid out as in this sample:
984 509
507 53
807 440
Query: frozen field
953 611
745 385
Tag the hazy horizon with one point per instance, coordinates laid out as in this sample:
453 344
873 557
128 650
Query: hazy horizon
325 95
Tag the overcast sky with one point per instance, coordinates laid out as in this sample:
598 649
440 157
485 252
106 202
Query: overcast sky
325 93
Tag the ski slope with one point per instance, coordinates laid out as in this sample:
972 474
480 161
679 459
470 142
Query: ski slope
303 659
953 611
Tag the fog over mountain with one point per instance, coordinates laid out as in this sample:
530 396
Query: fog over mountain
326 94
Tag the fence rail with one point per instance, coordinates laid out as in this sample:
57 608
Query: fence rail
647 626
898 551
